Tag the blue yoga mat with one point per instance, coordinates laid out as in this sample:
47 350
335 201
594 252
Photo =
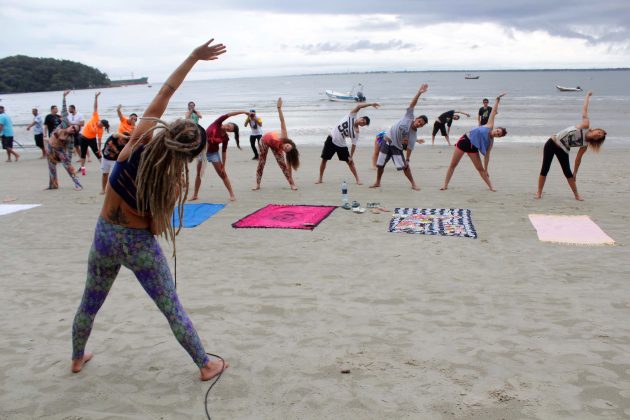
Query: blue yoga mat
196 214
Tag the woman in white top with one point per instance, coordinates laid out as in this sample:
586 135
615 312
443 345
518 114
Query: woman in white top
560 144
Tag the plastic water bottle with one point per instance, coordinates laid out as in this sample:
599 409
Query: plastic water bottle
344 192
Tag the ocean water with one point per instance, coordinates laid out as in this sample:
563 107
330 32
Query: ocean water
532 110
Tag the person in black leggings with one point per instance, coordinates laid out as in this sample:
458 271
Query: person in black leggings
92 131
560 144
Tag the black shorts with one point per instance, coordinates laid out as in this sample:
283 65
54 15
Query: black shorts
77 140
438 126
331 148
7 142
39 140
465 145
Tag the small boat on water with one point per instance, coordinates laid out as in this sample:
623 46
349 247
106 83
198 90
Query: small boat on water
348 96
471 77
568 89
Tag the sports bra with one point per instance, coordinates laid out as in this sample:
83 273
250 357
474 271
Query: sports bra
123 178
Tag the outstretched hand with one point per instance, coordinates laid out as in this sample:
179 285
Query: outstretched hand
589 93
97 94
208 52
376 105
66 92
501 95
424 88
279 103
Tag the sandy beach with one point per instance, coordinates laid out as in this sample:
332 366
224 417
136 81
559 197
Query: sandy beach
429 327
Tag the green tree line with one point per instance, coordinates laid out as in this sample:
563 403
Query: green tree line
20 74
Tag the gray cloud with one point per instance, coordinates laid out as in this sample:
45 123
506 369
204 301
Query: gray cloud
558 17
364 44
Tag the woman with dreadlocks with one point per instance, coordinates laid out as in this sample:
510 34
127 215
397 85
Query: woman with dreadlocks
150 178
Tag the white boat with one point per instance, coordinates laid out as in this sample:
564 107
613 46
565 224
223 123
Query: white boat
348 96
568 89
471 77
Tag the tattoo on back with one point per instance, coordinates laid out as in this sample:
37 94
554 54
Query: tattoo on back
117 217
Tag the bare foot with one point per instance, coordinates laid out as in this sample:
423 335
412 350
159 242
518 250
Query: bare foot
102 192
78 188
319 182
444 188
8 160
294 187
359 183
375 185
538 196
77 364
193 198
232 198
51 188
17 157
415 188
578 197
256 188
493 189
212 369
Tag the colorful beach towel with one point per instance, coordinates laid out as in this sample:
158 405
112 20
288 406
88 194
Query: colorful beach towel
572 230
12 208
446 222
286 217
196 214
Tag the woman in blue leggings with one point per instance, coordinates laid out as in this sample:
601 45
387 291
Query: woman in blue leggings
138 206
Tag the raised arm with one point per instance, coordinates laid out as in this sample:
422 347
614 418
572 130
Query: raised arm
283 126
159 103
422 89
96 95
231 114
463 113
119 112
361 106
585 121
495 109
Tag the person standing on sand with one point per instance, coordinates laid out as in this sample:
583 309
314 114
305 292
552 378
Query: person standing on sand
560 145
149 179
443 124
92 132
126 124
401 136
349 126
75 118
217 135
60 152
6 131
111 150
38 131
255 123
480 139
192 113
52 120
283 149
484 113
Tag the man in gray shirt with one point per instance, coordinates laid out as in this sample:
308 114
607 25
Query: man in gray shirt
401 137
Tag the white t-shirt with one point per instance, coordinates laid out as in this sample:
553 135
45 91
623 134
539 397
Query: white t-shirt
75 119
38 128
571 137
255 126
344 129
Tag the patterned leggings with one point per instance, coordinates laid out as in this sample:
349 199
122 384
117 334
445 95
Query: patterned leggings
264 149
60 155
138 250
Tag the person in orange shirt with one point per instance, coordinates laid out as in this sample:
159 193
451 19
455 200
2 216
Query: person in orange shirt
283 149
92 131
126 124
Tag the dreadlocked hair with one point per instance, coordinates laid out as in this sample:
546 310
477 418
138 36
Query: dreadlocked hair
160 181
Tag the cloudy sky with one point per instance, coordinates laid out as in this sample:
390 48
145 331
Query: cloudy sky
149 38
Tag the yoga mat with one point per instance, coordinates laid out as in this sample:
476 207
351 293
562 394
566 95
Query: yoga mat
286 217
445 222
12 208
571 230
196 214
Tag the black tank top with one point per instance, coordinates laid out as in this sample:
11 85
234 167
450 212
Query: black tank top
123 178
